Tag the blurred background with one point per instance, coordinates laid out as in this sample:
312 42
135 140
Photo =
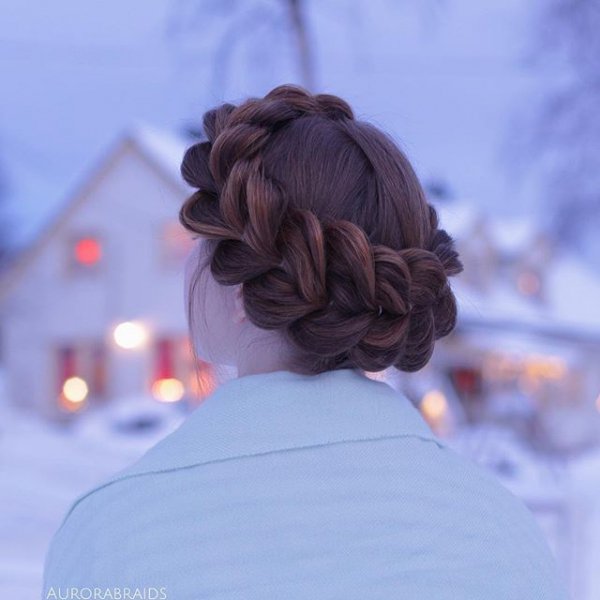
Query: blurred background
496 103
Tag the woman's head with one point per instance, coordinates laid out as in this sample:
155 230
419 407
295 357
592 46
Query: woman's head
316 235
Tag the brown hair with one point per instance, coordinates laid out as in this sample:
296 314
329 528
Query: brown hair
323 221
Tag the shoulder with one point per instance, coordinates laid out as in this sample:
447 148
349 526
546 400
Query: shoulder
456 514
501 525
473 488
96 532
446 511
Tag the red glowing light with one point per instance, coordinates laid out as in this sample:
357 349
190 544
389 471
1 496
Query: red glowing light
87 251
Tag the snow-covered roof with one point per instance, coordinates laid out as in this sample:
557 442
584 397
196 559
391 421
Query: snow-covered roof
506 233
571 287
570 309
574 289
511 234
165 147
457 217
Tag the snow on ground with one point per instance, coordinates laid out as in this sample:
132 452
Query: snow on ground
43 467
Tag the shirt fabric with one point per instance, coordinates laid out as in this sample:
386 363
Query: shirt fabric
289 486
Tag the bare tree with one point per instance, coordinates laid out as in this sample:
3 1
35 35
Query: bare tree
5 224
563 138
297 14
218 27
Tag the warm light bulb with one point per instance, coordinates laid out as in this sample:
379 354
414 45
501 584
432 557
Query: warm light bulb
130 334
168 389
434 405
75 390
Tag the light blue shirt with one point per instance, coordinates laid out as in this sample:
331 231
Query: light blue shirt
287 486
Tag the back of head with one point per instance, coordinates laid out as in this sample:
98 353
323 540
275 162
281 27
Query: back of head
322 220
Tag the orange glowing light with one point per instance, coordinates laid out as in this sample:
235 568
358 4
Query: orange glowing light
434 405
74 393
168 390
528 283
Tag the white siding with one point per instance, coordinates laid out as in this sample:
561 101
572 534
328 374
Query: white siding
126 205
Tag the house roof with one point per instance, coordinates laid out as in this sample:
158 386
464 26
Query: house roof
165 148
569 312
572 288
508 234
162 149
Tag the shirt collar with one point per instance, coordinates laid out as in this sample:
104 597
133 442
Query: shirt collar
265 412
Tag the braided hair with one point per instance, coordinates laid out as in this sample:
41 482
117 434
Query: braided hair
322 220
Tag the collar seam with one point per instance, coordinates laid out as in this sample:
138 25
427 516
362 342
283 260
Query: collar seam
158 471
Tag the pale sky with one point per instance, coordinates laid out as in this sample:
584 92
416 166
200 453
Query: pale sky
445 77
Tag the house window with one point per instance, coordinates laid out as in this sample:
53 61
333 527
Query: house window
175 373
166 385
98 369
85 253
175 244
467 381
468 385
164 359
72 388
81 374
66 364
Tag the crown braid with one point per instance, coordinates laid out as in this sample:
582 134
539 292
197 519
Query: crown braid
340 298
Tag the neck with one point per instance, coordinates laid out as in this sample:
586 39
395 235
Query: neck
263 354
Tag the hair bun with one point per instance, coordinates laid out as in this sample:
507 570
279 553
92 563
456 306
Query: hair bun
387 306
324 222
194 167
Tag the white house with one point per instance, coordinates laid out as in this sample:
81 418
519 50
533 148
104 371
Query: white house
526 348
93 308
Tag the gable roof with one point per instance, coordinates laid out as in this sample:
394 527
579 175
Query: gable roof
162 150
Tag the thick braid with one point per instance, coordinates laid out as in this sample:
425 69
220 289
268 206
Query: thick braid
402 296
249 212
338 297
236 135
